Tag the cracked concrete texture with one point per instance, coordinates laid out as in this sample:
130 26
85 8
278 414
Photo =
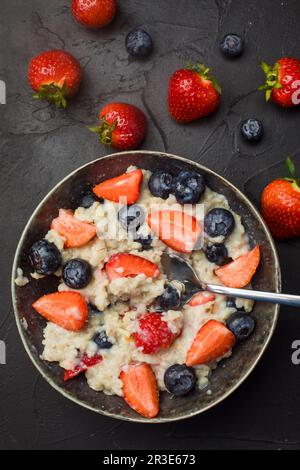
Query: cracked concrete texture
39 145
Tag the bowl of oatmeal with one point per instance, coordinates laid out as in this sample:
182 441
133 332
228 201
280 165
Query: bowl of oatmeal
98 316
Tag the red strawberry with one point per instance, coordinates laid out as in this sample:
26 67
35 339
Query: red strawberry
94 13
282 82
85 363
126 186
140 389
280 205
193 94
76 232
201 298
212 341
176 229
121 125
153 333
126 265
239 272
54 75
66 309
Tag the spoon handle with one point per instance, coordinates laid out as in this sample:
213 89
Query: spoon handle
284 299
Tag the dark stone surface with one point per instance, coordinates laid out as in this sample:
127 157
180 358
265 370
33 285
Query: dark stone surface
39 145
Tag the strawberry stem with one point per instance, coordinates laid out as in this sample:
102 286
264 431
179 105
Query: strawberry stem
203 71
104 131
271 81
291 170
53 94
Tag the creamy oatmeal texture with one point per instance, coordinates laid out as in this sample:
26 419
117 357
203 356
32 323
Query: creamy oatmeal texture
123 300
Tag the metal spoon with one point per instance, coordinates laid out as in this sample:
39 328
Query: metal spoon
177 268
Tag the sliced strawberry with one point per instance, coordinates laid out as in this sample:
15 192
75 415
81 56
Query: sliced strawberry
239 272
67 309
126 265
85 363
126 186
212 341
153 333
176 229
140 389
76 232
201 298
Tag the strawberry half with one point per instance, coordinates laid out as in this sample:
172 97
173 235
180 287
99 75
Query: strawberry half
201 298
67 309
94 14
85 363
125 187
212 341
239 272
55 75
75 232
126 265
282 82
140 389
153 333
193 94
176 229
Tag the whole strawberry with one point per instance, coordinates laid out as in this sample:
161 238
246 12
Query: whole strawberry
282 82
280 205
94 13
121 125
54 75
193 94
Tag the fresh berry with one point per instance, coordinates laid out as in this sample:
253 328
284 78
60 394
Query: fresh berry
131 217
180 379
75 232
170 299
212 342
188 187
160 184
45 257
93 310
176 229
94 13
280 205
239 272
125 187
102 341
140 389
139 43
121 125
54 76
77 273
232 45
127 265
252 130
88 199
144 240
216 253
85 363
153 333
241 325
67 309
202 298
282 82
219 223
193 94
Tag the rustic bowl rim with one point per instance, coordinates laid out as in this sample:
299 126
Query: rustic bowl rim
140 419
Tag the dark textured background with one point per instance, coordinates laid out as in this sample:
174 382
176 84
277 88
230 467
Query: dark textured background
39 145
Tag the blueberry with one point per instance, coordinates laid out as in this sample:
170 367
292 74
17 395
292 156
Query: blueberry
139 43
93 309
219 222
189 291
180 379
230 303
160 184
216 253
77 273
252 130
102 341
170 299
131 217
144 240
45 257
241 324
188 187
88 199
232 45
